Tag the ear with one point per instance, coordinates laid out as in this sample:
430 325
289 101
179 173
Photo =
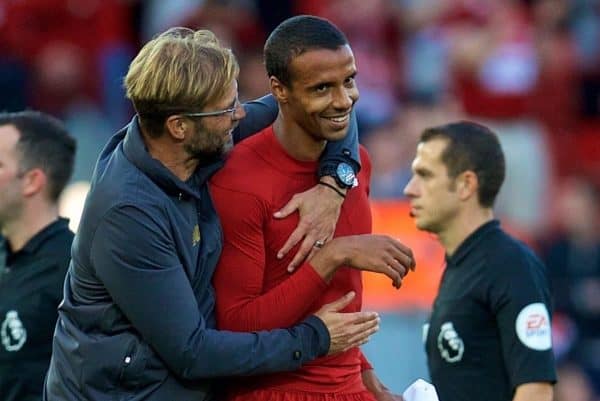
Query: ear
278 89
177 127
467 185
34 181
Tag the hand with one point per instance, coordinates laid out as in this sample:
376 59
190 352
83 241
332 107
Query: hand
377 388
347 330
319 209
375 253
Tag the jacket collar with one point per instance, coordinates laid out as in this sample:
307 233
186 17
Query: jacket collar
135 150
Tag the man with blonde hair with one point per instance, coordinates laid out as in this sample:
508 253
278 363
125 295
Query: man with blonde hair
137 321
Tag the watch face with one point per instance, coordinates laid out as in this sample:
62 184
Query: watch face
345 174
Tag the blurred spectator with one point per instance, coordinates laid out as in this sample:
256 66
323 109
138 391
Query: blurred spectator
390 163
84 46
13 79
573 260
556 87
393 145
252 82
585 28
426 41
159 15
76 54
235 22
497 70
573 384
524 199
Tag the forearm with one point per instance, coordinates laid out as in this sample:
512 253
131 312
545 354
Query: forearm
344 150
223 353
281 306
260 113
539 391
334 254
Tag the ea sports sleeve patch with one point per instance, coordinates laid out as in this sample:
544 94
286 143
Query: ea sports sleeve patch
533 327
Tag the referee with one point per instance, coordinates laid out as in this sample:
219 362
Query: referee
488 337
36 161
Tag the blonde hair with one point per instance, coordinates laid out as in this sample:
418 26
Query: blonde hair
180 70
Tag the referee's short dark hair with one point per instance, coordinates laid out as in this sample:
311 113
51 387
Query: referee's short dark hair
44 143
473 147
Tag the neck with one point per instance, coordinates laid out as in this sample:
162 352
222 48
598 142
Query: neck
296 141
464 225
33 219
171 155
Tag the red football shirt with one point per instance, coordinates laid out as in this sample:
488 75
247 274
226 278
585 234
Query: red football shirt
254 289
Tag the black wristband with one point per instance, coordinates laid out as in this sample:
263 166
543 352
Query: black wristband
337 191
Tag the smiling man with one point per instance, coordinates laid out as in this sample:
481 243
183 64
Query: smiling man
311 69
488 338
137 321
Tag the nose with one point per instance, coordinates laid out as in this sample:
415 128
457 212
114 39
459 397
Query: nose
410 190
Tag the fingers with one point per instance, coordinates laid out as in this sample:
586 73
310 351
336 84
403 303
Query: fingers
366 324
305 249
360 318
347 330
361 335
289 208
399 257
292 240
394 275
398 268
404 254
391 268
312 252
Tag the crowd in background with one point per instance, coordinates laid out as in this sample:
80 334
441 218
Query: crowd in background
530 69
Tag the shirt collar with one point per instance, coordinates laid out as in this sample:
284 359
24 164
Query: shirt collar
38 239
467 245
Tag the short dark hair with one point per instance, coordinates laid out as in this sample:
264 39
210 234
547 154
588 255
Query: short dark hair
472 147
43 143
295 36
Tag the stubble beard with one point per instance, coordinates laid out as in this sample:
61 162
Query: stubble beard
208 153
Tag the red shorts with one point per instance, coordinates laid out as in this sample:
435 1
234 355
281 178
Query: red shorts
280 395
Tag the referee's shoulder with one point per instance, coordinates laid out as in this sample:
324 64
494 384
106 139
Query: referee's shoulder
511 255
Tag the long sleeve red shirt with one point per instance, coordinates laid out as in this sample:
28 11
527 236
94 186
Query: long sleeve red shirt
254 290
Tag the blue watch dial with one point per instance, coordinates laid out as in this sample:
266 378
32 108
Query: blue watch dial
345 174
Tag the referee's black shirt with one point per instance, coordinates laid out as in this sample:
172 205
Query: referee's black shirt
489 330
31 284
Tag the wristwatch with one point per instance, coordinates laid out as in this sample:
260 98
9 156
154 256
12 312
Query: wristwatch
343 174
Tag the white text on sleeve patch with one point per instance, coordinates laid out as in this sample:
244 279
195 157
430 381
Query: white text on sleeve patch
533 327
